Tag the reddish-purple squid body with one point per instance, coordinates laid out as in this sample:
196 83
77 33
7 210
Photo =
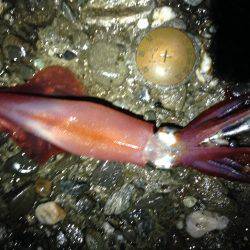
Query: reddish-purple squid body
47 116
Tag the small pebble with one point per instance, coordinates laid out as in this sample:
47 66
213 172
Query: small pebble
199 223
39 63
205 68
108 229
21 200
74 233
1 7
179 224
49 213
20 164
143 23
74 188
43 187
193 2
3 138
119 201
61 240
69 55
162 15
84 205
189 201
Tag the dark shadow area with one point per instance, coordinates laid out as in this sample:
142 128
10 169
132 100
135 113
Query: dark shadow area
231 45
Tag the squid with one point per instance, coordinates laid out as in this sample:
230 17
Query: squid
52 113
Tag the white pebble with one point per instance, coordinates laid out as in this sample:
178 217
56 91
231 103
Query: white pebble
201 222
189 201
206 63
162 15
108 229
143 23
205 67
49 213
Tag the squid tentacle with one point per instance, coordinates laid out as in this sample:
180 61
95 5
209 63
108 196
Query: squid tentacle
220 110
205 141
221 170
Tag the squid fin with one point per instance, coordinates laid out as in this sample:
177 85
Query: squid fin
51 81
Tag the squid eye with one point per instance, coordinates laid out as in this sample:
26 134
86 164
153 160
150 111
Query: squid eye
166 56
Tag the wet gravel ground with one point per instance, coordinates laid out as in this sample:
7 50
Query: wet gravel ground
92 204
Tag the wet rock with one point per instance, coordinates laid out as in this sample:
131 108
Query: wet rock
201 222
150 115
20 164
107 175
107 228
3 138
36 12
171 98
39 63
162 15
153 201
43 187
180 224
84 205
64 39
107 14
4 210
3 232
23 70
71 9
107 63
49 213
94 240
145 227
120 200
74 233
189 201
117 241
21 200
193 2
68 13
142 23
1 60
136 215
4 30
119 4
212 192
144 95
74 188
25 31
1 7
61 240
69 55
15 48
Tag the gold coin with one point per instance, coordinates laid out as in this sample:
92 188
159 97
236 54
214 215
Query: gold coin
166 56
